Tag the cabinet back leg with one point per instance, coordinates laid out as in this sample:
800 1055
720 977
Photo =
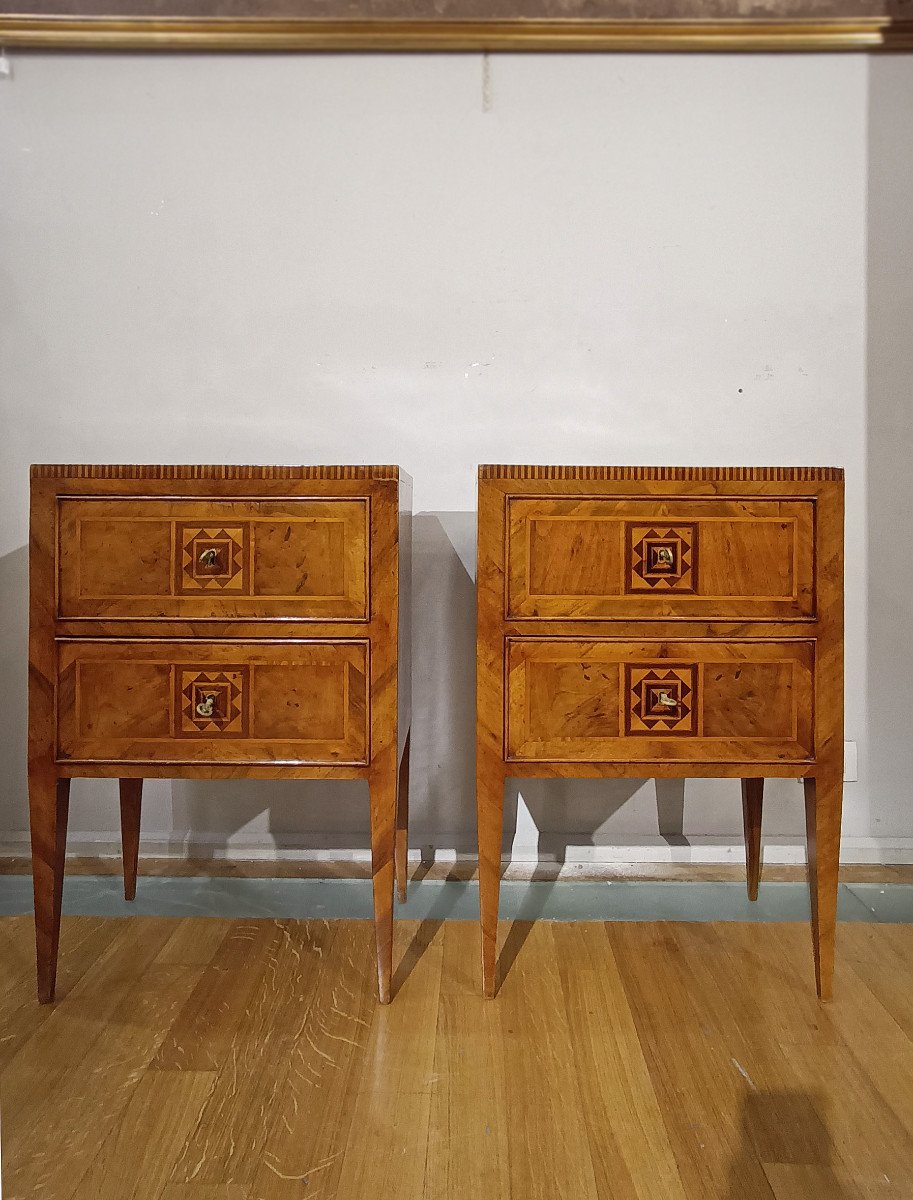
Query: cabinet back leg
131 805
752 808
49 806
402 824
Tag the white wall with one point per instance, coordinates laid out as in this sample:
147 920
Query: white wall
613 259
890 445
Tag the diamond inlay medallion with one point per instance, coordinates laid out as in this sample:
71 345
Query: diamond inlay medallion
212 558
212 702
660 700
661 558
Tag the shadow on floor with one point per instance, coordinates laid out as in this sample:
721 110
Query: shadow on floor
785 1139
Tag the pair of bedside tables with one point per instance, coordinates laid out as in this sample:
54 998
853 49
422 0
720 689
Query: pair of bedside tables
253 622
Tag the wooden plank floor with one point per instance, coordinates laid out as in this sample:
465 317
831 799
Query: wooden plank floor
205 1059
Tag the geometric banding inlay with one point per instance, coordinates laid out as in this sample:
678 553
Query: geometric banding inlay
211 558
212 702
660 700
661 558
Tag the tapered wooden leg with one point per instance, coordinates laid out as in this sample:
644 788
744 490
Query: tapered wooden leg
131 805
402 824
383 826
752 807
490 810
823 805
49 805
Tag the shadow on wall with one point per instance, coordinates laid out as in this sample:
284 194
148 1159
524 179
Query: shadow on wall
208 817
14 626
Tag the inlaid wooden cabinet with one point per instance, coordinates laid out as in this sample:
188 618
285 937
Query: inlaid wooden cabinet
214 623
663 622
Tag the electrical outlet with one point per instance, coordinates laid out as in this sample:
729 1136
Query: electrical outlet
850 763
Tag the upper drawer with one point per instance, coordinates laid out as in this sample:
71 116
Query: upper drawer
213 559
599 558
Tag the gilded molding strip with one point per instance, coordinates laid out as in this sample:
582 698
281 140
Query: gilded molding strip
143 471
185 33
667 474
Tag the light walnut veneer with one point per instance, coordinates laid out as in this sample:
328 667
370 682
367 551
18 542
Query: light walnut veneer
217 622
668 621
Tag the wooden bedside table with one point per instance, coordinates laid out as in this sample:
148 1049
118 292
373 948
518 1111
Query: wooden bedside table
663 622
217 622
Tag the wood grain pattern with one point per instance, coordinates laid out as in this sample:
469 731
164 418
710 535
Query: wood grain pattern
591 557
752 809
215 622
211 472
131 808
666 622
685 1061
807 27
212 559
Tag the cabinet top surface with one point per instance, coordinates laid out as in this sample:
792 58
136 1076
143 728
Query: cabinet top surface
212 471
662 474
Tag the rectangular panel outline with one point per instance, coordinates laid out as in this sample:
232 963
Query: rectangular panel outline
809 642
363 617
760 498
171 740
671 519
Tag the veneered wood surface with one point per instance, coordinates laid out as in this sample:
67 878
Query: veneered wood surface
274 591
548 707
128 702
277 559
131 812
752 813
207 1059
572 558
570 700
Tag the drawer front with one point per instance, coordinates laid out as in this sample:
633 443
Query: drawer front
221 702
601 558
213 559
571 700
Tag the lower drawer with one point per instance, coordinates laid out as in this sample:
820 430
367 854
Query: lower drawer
571 700
212 702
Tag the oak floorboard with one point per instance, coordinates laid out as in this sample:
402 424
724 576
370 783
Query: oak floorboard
549 1150
51 1142
195 941
628 1140
312 1118
634 1061
204 1191
386 1149
468 1101
70 1033
250 1085
203 1035
137 1158
83 941
693 1070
